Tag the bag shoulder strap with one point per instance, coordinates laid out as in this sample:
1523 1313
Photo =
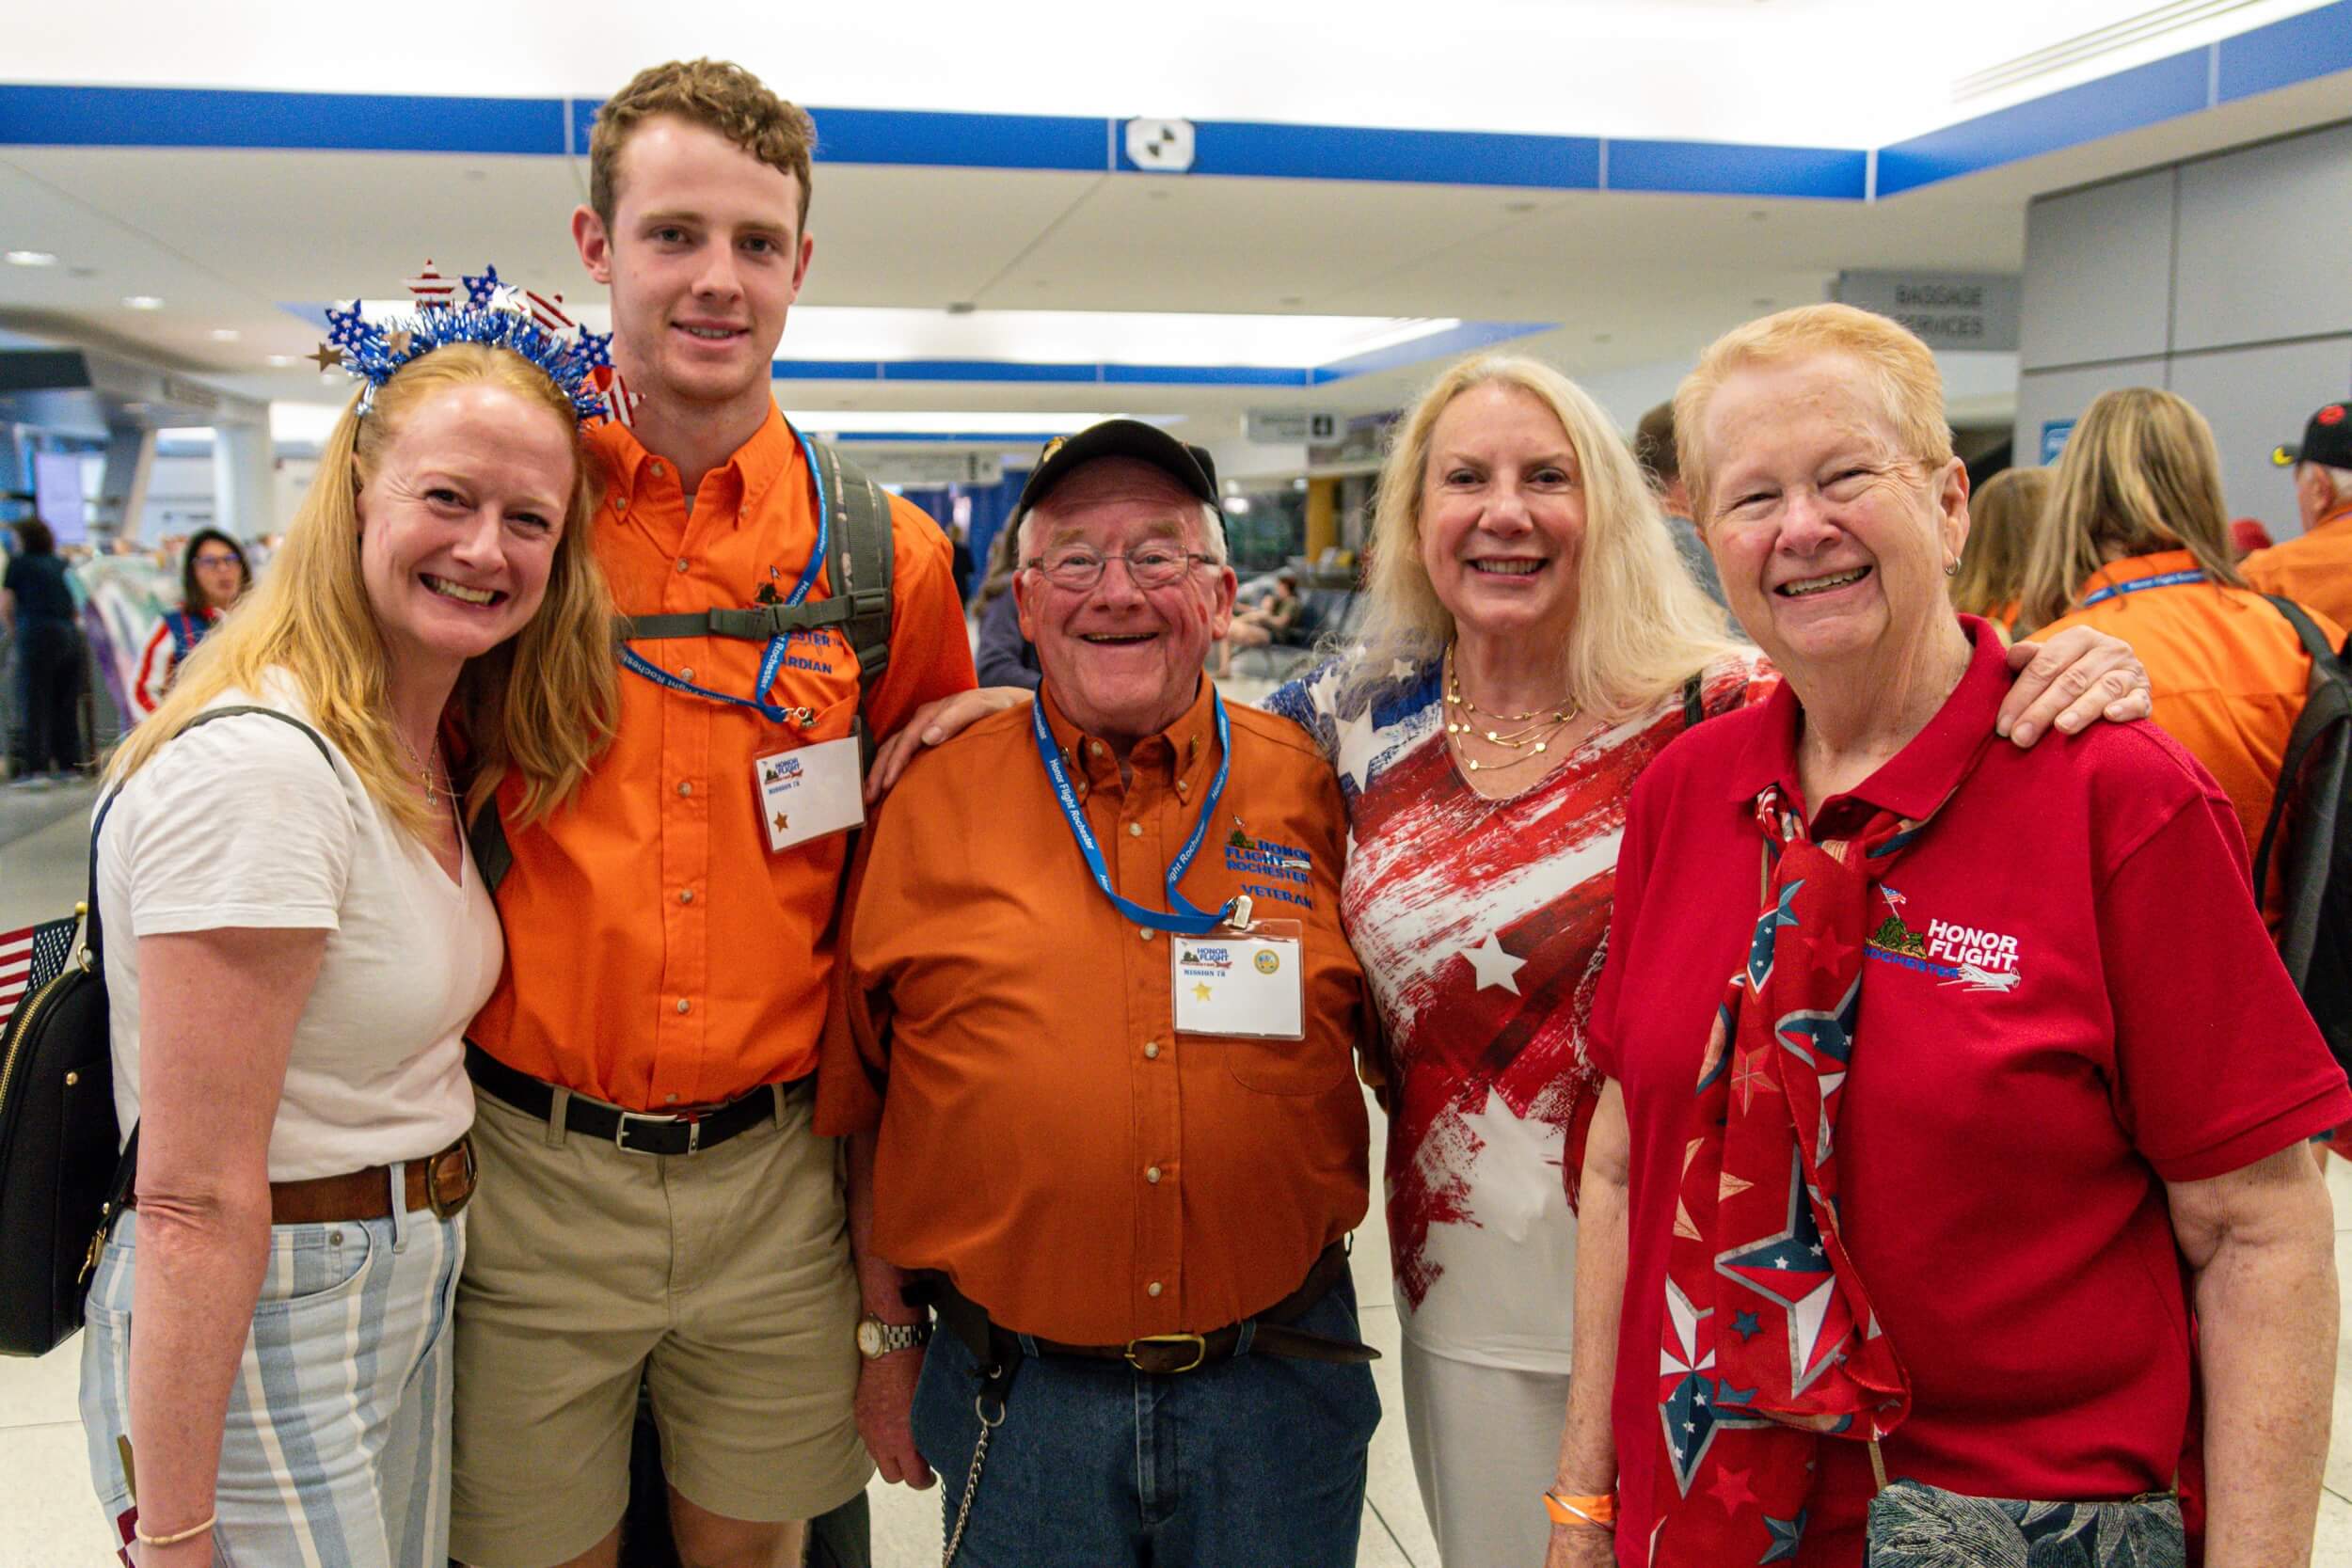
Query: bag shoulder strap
2327 702
860 562
93 932
1694 700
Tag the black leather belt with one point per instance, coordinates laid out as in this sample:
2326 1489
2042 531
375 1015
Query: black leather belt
687 1132
994 1345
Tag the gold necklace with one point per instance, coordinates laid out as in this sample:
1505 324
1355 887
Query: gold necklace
434 793
1532 740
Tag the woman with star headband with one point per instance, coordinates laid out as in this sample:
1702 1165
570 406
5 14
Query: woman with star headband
301 937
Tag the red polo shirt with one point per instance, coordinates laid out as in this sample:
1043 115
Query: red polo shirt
2072 1001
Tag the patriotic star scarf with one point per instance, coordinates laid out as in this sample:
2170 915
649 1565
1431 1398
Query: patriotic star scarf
1769 1340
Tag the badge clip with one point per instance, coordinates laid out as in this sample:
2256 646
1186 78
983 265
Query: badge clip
1240 921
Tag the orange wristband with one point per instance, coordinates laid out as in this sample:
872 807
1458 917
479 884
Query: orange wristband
1593 1512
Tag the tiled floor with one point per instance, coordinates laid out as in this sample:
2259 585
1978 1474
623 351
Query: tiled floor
49 1520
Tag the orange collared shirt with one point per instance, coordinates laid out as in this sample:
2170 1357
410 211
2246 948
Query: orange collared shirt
1048 1138
2314 569
658 954
2227 675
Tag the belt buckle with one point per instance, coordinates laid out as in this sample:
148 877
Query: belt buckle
1199 1343
620 1131
445 1208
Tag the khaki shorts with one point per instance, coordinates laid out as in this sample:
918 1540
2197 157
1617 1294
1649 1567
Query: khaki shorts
722 1276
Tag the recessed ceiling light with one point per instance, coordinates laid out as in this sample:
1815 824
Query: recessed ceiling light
226 334
31 259
282 360
142 302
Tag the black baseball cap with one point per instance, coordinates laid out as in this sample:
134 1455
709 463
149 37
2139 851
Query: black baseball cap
1190 466
2326 440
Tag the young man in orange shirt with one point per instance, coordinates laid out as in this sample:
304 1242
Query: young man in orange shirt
658 1207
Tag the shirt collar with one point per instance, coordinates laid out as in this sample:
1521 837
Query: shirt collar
1183 754
2133 568
2331 519
772 455
1915 780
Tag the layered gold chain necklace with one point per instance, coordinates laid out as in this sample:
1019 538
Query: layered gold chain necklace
1529 733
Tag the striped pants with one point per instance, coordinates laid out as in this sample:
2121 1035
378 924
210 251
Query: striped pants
336 1451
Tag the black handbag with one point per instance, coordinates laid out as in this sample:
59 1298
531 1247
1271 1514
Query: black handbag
65 1171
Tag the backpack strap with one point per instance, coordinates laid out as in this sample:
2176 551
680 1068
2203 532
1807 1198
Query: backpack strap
2305 736
861 565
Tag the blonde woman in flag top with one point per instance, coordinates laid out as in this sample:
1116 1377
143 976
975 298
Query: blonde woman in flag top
300 937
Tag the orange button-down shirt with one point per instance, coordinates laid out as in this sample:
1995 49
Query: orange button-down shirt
2227 676
2314 569
659 954
1048 1139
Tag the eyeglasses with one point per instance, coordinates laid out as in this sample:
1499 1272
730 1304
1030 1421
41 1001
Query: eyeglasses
218 561
1153 566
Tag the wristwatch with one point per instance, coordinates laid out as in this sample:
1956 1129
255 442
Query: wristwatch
877 1338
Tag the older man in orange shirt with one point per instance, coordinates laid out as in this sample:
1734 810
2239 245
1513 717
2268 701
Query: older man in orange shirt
1095 1059
2314 569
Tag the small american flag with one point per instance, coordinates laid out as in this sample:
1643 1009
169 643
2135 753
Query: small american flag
31 957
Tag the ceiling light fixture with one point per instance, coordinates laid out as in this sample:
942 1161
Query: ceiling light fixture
282 360
142 302
31 259
226 334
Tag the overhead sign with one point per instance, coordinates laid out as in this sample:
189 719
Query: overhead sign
1947 310
1293 427
921 469
1160 146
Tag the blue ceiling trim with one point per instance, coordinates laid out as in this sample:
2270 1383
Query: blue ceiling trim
1205 375
1015 439
32 116
942 140
1717 168
2316 43
1261 150
1437 345
2143 95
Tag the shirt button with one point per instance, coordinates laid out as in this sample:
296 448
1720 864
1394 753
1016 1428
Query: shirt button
1151 1174
1135 829
686 786
1153 1288
687 673
1151 1050
1183 790
684 1005
669 1099
686 895
1095 746
1144 932
657 468
681 564
620 503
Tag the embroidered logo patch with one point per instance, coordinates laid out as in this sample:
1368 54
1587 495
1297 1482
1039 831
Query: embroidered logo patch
1955 954
1282 871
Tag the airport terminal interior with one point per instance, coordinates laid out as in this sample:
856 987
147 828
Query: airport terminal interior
1261 229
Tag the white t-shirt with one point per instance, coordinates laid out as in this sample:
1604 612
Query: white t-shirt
241 823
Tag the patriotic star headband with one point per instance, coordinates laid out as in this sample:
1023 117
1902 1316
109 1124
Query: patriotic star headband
492 313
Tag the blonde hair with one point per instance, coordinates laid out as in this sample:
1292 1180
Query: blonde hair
2140 473
1899 366
2004 517
544 702
1643 628
718 95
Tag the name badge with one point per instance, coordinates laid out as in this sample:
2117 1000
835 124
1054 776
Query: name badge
809 791
1242 980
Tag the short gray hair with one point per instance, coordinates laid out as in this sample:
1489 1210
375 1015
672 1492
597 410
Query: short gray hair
1212 528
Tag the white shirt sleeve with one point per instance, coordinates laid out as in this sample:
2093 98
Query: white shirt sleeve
240 823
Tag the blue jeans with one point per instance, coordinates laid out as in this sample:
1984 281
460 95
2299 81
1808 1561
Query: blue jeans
1253 1463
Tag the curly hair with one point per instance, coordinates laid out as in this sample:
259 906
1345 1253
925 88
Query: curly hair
719 96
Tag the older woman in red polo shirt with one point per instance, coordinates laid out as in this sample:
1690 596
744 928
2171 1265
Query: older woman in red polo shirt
2006 1082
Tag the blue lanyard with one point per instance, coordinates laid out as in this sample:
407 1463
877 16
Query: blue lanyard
1190 921
772 662
2169 579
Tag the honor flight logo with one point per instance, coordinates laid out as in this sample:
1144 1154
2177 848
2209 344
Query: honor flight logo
1278 871
1954 954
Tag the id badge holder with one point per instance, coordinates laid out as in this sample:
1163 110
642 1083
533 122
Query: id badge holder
810 792
1245 978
